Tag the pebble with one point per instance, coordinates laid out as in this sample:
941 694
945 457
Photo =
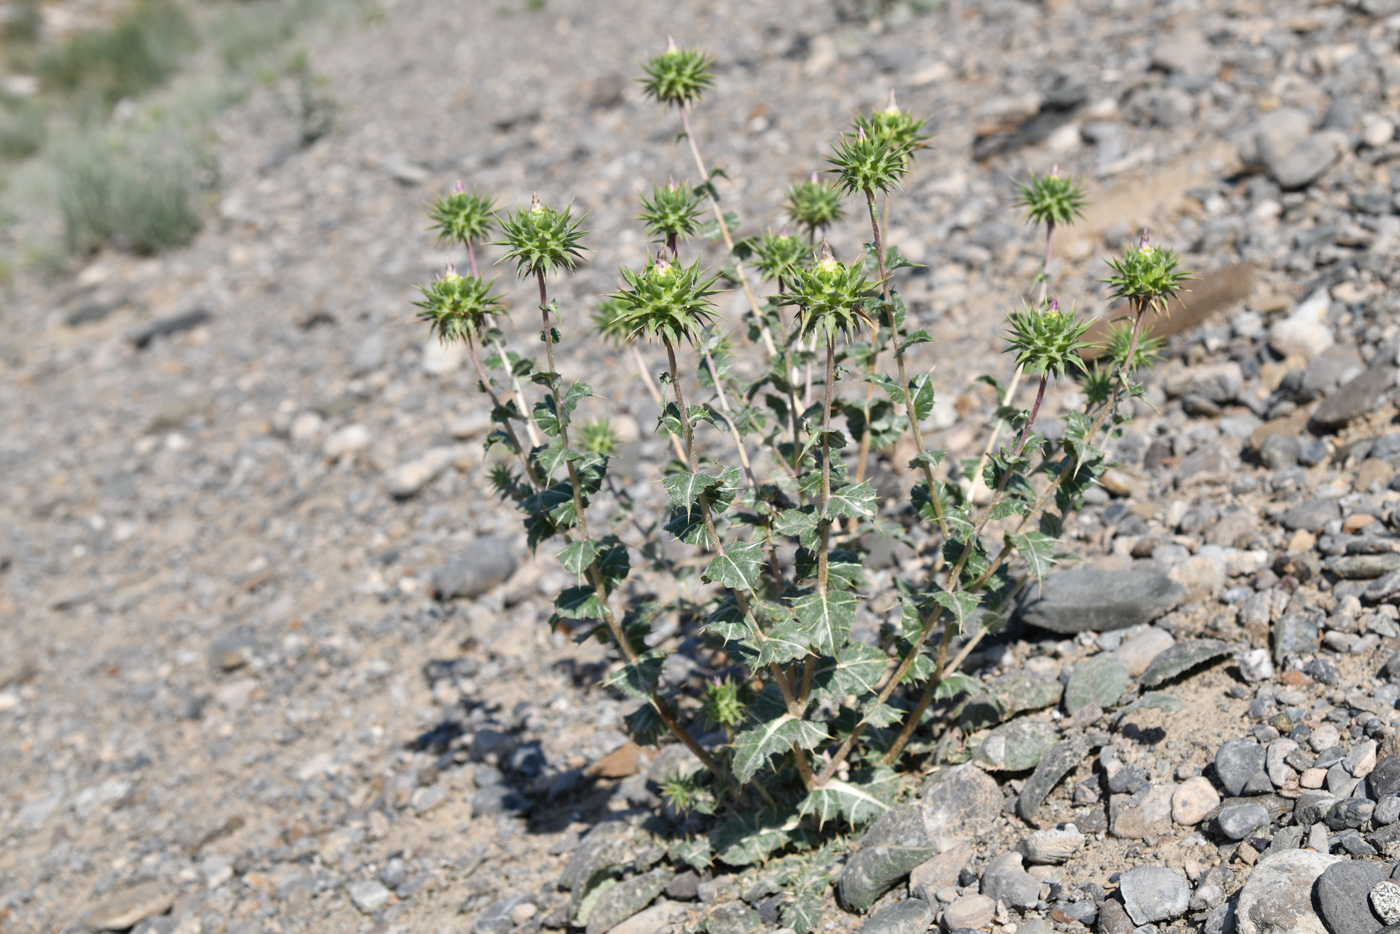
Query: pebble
1084 599
409 478
1256 666
1053 846
1193 800
1153 893
942 870
1236 762
1145 813
128 907
1309 160
481 566
911 916
1385 901
1240 820
1004 880
1362 395
369 895
1139 651
969 911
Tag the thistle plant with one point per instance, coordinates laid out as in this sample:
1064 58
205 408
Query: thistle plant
463 217
813 722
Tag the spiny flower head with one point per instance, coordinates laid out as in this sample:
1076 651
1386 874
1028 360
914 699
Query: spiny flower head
673 211
455 307
540 239
1120 338
598 437
868 164
1047 340
667 301
462 217
815 204
777 255
903 130
1147 276
830 298
721 705
1052 199
677 76
610 320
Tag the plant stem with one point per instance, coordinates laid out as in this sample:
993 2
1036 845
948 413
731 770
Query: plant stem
496 403
864 454
656 397
471 258
519 396
594 574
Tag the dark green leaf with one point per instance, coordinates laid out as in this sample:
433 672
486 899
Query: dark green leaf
1038 550
686 488
638 679
753 747
826 618
738 567
851 502
577 556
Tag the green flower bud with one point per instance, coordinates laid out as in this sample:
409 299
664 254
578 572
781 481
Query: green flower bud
777 255
1147 276
903 131
673 211
610 321
462 217
540 239
868 164
830 298
1047 340
815 204
667 301
456 307
1052 199
677 76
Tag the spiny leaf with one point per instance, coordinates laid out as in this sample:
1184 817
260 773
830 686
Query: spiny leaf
738 567
826 618
577 556
685 488
856 669
638 679
580 603
1038 549
754 746
851 502
857 803
749 837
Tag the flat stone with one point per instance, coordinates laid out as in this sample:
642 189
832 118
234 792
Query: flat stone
942 870
911 916
1364 567
625 899
1007 882
1016 746
961 802
485 563
1181 658
1057 762
734 918
369 895
1385 901
1024 690
1193 800
1363 394
1139 651
1293 337
1384 779
1277 897
1092 599
898 841
1240 820
1145 813
1308 161
1099 680
1341 894
1237 761
1312 515
1274 135
1051 847
410 477
655 918
974 912
1153 893
1294 634
129 907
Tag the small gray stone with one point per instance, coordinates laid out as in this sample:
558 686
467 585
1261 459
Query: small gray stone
1091 599
485 563
1053 846
1387 810
1057 762
1364 567
1237 761
1349 813
1312 515
625 899
231 652
1384 779
1364 393
1153 893
1240 820
1016 746
1181 658
1099 680
911 916
128 907
1308 161
1145 813
369 895
1294 634
1004 880
1341 893
1024 690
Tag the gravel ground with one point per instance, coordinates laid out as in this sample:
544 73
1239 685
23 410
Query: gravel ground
231 701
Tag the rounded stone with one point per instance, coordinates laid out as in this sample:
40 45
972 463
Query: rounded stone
1237 761
1277 898
1240 820
1341 893
970 911
1153 893
1193 800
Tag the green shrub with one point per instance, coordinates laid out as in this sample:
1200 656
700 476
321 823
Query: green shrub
817 721
135 54
140 195
21 128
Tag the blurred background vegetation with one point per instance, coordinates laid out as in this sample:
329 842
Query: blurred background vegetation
105 114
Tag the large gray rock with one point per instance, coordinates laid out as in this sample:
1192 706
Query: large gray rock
486 563
1007 882
1088 598
957 803
1153 893
1342 894
1308 161
1277 898
625 899
1364 393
